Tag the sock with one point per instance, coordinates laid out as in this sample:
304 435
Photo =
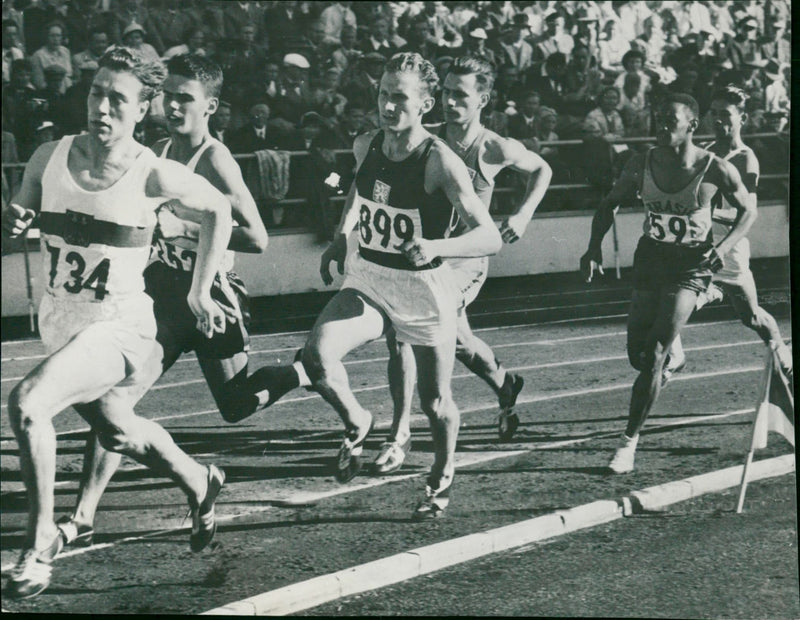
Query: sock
630 442
301 374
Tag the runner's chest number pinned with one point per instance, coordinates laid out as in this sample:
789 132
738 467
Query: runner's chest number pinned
174 256
382 227
669 228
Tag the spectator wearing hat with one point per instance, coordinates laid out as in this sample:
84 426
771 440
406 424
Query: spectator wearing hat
172 23
514 49
777 44
53 53
133 37
335 16
612 47
363 84
283 26
745 47
256 134
220 121
475 45
295 98
587 19
631 17
377 38
776 95
98 43
127 12
607 116
555 38
11 49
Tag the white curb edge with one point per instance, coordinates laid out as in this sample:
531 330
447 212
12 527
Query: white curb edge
407 565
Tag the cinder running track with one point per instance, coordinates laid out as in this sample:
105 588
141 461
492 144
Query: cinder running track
283 519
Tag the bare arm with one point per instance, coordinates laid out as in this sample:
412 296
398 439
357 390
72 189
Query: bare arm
449 174
539 174
627 184
19 213
730 183
337 250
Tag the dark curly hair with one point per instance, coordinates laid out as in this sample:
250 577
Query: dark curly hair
200 68
411 62
151 74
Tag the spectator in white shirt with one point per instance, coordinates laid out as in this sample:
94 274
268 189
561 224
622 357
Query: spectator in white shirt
613 47
195 38
53 53
11 49
334 17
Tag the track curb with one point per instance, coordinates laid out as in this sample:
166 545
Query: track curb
423 560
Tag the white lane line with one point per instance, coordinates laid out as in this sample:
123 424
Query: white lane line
462 460
406 565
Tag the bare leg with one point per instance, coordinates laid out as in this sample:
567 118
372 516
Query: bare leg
477 356
402 372
348 321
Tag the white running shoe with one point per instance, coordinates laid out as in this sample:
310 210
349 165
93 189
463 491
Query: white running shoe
622 463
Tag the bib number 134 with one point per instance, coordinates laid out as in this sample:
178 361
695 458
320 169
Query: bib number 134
97 280
669 228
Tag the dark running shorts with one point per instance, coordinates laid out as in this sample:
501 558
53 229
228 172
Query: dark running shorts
169 287
665 266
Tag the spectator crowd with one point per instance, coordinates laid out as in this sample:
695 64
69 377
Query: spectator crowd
304 75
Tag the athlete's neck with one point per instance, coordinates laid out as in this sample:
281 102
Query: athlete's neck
684 154
184 145
397 144
460 136
106 154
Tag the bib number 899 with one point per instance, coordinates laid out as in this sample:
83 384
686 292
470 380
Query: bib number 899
384 229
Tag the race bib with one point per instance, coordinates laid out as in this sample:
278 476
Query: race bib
83 273
381 227
174 256
670 228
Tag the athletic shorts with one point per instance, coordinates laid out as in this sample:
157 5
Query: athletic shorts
469 274
128 326
169 288
665 266
421 305
736 263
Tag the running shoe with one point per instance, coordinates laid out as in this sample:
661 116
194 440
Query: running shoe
75 533
391 456
671 367
710 295
348 461
204 524
508 421
622 463
31 575
435 501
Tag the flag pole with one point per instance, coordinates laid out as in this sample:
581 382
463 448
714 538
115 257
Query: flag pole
616 241
760 406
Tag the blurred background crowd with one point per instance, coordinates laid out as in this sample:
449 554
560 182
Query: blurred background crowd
303 76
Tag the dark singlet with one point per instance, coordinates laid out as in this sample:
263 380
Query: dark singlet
394 206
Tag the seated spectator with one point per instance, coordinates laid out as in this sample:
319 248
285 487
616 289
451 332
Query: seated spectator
345 53
363 85
127 12
442 31
522 126
652 42
633 106
53 53
336 16
494 119
54 95
237 15
613 47
218 124
549 81
514 49
776 95
377 39
686 81
555 37
283 26
744 47
294 99
544 131
194 38
11 49
250 56
10 176
98 44
75 118
133 37
22 106
326 99
587 18
475 46
172 24
777 45
606 116
582 83
256 135
633 62
420 40
81 19
508 86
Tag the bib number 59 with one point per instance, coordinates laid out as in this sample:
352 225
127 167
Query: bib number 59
671 228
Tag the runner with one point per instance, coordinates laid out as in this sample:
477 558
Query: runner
466 92
97 196
736 279
675 258
191 96
407 185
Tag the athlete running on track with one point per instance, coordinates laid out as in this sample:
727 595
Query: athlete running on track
407 185
97 196
736 279
676 257
191 96
466 92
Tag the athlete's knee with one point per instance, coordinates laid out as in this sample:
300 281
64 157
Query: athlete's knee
118 437
438 406
649 358
25 408
465 349
756 320
233 405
